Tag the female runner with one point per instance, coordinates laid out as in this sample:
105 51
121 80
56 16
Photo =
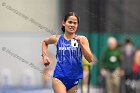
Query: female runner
70 48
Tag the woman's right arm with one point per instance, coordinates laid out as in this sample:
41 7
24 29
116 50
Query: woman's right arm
51 40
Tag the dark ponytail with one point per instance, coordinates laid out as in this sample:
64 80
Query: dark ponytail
63 28
66 18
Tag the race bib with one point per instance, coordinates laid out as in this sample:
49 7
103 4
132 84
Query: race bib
74 43
113 59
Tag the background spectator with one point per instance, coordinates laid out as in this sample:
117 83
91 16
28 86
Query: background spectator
127 51
86 72
133 80
110 67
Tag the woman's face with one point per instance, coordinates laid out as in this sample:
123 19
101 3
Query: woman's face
71 24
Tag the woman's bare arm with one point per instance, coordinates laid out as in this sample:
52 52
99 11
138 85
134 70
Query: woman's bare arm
51 40
83 41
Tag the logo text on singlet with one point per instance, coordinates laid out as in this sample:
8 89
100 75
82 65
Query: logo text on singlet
67 48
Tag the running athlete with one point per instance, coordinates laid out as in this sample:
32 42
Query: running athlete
70 48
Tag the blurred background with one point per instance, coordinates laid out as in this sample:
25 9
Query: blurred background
25 23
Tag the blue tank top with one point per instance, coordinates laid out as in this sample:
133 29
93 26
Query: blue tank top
69 59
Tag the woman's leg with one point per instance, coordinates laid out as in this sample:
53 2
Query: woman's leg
58 86
73 89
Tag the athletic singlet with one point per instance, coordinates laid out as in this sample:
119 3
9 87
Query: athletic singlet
69 59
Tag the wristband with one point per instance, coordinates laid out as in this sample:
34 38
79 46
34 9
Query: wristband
46 64
43 55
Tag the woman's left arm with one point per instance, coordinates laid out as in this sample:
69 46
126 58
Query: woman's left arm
83 42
